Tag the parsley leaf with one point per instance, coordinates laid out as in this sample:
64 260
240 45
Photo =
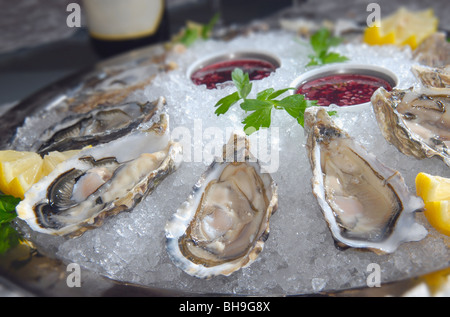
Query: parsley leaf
224 104
277 93
207 29
265 94
260 118
242 82
261 107
332 113
194 31
8 235
8 208
321 42
296 105
333 58
189 37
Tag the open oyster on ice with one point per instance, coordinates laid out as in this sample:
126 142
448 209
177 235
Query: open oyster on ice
437 77
100 125
366 204
434 51
224 223
415 120
101 181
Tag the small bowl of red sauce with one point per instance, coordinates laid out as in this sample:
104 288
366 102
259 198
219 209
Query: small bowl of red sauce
215 70
344 85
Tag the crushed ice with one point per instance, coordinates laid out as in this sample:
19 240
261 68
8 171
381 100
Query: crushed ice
299 256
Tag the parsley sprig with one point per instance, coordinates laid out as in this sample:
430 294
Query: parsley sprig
8 235
321 42
195 31
261 107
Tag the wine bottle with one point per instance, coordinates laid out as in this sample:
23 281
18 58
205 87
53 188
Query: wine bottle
117 26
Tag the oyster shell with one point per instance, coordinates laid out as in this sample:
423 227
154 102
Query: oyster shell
434 51
438 77
416 121
224 223
115 81
100 181
100 125
366 204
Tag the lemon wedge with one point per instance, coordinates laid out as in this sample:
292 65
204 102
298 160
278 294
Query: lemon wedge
6 174
438 215
19 170
22 182
435 191
52 159
437 281
404 27
432 188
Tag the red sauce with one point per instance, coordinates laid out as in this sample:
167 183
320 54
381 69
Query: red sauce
342 89
220 72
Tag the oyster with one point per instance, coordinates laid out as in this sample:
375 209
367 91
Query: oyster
100 181
366 204
434 51
224 223
114 81
100 125
438 77
416 121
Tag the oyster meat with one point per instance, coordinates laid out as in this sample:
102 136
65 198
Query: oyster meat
101 181
366 204
415 120
100 125
224 223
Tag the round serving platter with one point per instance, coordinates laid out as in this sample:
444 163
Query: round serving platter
31 271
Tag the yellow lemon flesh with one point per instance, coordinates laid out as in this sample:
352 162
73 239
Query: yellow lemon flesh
435 191
19 170
52 159
436 281
23 181
438 215
432 188
404 27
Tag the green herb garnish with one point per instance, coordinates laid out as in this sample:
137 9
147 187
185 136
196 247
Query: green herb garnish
207 28
261 107
8 235
321 42
195 31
